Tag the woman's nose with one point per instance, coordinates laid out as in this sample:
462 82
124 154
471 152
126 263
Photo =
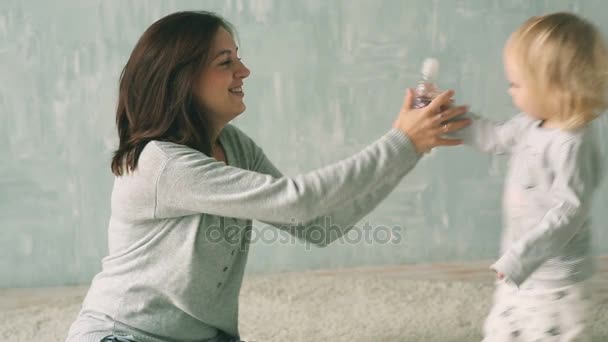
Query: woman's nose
242 71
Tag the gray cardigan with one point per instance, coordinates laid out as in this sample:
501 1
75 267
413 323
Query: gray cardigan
178 232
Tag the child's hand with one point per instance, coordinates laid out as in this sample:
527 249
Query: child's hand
499 275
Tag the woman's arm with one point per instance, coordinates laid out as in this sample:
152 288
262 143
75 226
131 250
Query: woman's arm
191 182
325 229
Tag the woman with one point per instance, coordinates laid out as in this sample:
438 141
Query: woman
184 175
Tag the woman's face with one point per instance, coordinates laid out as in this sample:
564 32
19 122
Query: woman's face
219 87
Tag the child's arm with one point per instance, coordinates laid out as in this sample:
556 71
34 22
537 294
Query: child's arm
576 176
492 137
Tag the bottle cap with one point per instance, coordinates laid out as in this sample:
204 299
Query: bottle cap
430 68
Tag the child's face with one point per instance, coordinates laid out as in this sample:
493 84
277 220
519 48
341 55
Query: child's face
519 88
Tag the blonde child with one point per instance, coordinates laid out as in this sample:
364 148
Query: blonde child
557 68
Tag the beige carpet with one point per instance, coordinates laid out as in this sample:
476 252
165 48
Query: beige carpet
314 306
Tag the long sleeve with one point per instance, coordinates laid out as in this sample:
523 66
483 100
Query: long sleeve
492 137
191 183
326 228
575 179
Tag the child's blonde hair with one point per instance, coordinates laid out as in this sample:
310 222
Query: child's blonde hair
565 58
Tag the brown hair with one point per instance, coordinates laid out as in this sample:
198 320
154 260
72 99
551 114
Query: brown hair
156 100
565 58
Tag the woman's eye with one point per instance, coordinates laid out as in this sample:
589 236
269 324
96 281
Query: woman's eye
228 62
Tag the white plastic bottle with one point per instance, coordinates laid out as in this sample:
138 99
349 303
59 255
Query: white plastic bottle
427 89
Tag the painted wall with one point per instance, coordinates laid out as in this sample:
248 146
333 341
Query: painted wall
327 79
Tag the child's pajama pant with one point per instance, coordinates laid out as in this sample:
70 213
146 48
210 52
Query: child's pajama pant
539 315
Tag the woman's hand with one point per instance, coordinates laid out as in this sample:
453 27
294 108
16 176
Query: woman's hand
425 126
